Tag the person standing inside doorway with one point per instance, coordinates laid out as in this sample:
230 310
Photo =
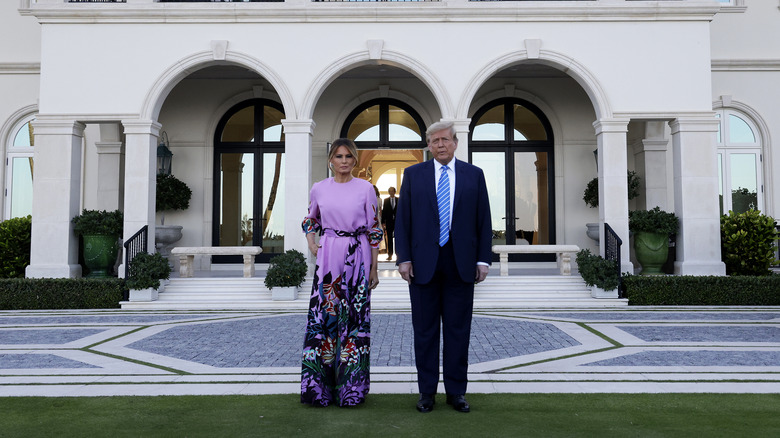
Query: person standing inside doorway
388 219
443 243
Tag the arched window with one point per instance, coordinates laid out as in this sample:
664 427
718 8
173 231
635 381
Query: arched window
739 162
19 170
511 140
249 179
390 136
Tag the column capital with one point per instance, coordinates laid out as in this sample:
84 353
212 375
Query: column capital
302 126
611 125
695 124
45 125
137 126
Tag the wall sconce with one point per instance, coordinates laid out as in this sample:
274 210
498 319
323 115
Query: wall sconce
164 155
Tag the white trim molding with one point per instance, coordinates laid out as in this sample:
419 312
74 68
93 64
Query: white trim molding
746 65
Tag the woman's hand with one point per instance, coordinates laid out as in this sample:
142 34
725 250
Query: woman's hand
373 279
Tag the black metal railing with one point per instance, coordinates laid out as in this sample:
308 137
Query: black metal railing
135 245
612 245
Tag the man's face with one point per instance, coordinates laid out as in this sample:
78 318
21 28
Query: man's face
442 146
391 191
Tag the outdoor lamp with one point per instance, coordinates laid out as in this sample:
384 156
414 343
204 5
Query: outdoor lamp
164 155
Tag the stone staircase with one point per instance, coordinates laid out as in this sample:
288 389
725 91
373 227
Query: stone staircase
500 293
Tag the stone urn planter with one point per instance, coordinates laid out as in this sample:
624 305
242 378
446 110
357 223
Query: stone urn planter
652 229
165 236
100 231
592 230
100 251
652 250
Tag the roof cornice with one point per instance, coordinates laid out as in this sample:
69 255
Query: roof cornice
343 12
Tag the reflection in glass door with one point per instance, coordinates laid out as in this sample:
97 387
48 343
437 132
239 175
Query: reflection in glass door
249 180
511 141
493 165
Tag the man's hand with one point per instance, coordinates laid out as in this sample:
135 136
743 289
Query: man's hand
406 271
482 272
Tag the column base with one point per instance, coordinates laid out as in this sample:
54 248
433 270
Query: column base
699 268
53 271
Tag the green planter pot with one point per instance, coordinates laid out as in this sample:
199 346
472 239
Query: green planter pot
100 251
652 250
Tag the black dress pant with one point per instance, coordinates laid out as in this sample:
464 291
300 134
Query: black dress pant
445 305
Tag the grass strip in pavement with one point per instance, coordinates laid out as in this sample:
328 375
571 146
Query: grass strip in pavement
525 415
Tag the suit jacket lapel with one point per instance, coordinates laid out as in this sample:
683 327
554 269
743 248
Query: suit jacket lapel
460 180
429 174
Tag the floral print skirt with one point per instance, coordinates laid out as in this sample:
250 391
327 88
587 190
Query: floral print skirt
336 347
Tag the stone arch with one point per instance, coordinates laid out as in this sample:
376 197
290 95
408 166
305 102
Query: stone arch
394 59
376 94
558 61
176 72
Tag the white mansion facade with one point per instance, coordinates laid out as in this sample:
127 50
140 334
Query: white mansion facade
545 95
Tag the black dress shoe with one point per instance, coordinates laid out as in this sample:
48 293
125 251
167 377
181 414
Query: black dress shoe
426 402
458 402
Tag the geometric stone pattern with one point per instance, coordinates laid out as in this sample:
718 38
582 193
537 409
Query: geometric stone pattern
78 319
83 353
45 336
694 359
39 361
643 315
709 333
278 341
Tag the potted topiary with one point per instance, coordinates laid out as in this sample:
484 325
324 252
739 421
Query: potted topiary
285 275
591 198
172 194
144 275
599 273
100 231
652 229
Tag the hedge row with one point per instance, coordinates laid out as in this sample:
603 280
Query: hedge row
60 293
702 291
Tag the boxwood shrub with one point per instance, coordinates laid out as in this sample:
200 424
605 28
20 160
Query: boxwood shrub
702 290
61 293
15 237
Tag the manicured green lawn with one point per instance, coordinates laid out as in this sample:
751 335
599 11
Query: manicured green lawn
534 415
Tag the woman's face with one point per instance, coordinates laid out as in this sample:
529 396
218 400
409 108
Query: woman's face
343 161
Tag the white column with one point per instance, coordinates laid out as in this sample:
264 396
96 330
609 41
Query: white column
140 178
696 196
650 159
297 183
57 198
462 131
109 149
613 188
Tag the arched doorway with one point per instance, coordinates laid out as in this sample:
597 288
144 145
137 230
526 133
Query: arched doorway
249 179
390 136
511 140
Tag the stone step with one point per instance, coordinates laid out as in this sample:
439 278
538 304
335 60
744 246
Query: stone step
231 291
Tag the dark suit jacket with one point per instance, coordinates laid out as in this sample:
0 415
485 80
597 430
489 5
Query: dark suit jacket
417 221
388 213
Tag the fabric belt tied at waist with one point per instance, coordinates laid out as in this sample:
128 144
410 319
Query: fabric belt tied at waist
341 233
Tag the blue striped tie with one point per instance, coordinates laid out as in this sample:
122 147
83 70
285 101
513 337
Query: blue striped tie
443 197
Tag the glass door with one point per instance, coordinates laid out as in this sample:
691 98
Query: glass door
249 180
512 142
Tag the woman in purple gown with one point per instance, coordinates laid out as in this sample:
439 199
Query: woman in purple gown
343 210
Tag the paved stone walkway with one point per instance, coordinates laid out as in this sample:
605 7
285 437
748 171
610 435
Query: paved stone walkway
106 352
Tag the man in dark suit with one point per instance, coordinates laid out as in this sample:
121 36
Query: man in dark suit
443 242
388 219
